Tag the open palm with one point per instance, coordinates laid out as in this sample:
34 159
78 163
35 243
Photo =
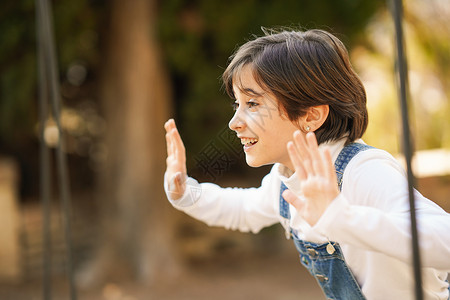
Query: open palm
317 177
176 161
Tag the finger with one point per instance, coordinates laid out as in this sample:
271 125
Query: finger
292 199
313 149
173 143
180 180
178 146
302 148
296 160
175 186
169 125
169 144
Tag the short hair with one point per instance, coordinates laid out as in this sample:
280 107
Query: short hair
302 70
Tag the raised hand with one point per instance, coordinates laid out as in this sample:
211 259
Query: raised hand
176 161
317 177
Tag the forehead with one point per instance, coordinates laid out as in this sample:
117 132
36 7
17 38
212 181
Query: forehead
244 81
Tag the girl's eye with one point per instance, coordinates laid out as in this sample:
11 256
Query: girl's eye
252 104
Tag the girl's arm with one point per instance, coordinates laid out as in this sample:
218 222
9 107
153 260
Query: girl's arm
372 212
232 208
249 209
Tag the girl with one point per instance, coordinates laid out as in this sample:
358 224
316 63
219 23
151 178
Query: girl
300 106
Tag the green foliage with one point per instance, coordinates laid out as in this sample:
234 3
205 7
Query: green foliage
17 67
74 23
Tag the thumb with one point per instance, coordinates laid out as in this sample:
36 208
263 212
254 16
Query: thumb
177 185
180 179
293 199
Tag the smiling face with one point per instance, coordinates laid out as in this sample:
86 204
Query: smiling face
262 128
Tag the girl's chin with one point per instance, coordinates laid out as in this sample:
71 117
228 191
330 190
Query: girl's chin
253 162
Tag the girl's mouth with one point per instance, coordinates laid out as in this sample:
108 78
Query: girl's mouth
248 143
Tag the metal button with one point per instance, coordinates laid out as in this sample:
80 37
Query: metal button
322 278
330 249
312 252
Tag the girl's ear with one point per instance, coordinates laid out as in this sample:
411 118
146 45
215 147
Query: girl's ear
316 116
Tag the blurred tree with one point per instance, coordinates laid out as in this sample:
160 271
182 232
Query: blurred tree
136 97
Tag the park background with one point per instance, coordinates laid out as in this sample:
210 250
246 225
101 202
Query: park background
125 67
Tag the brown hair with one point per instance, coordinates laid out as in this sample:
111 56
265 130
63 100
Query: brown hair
305 69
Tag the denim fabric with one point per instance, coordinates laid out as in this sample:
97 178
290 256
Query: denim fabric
326 261
344 158
329 268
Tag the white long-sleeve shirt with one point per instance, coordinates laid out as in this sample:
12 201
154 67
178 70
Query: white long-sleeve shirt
369 219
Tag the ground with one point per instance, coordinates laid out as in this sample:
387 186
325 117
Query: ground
254 277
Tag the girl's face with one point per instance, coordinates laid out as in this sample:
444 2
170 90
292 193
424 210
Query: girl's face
262 128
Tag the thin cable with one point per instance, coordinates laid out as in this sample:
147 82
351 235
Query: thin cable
402 68
49 55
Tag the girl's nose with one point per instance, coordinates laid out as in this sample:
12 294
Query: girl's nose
236 123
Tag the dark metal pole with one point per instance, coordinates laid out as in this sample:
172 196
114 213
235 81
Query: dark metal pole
51 84
44 157
402 69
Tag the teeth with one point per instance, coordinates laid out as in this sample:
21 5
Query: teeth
246 141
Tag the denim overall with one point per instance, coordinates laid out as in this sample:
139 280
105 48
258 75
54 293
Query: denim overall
326 261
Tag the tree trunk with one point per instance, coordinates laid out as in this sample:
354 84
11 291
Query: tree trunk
135 215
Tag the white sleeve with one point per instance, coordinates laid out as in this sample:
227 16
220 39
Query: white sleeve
244 209
372 213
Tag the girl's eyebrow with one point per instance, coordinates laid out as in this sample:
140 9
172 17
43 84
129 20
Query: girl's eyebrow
252 92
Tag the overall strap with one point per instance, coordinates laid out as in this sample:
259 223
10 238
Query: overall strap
344 157
284 206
